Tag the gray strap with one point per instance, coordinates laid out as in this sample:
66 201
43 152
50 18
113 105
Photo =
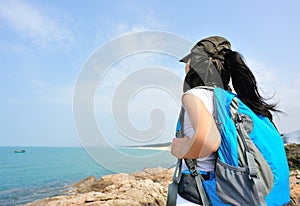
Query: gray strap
177 173
254 176
251 164
253 173
259 188
204 198
172 194
234 108
192 165
173 187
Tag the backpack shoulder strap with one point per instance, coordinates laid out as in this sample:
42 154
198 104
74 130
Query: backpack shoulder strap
192 165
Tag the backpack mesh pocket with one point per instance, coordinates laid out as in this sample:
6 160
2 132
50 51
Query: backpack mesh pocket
234 186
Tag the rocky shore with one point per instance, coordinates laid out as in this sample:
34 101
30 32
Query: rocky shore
148 187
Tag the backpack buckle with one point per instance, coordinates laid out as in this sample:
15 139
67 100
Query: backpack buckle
239 118
194 171
178 134
252 176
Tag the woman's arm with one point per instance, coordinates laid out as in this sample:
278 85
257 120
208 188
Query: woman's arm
206 138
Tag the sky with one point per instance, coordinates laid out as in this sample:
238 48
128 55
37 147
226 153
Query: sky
47 46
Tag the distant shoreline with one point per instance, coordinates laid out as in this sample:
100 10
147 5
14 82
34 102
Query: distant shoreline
159 146
165 148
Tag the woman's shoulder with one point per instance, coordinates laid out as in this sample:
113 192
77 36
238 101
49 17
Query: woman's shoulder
200 92
205 95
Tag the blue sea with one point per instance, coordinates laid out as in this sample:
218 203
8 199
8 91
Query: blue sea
47 171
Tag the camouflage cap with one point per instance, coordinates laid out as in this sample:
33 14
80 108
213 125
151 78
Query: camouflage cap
207 58
213 46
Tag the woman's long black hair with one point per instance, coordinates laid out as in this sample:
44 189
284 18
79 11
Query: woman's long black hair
243 82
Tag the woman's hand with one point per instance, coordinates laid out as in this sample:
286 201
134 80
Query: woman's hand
180 147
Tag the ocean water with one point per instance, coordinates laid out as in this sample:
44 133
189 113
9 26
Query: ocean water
45 171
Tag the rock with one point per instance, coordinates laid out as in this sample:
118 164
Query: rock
159 174
141 188
148 187
295 187
85 185
293 154
94 196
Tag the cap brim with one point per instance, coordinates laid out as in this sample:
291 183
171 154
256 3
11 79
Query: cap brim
186 58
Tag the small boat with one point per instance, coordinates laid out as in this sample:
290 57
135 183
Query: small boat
19 151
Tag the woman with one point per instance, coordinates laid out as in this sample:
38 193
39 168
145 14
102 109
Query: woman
211 63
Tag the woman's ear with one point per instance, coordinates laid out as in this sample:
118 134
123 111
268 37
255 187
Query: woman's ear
187 66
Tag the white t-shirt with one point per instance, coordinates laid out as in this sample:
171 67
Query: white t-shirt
206 96
207 163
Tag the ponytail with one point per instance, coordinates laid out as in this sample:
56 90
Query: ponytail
244 84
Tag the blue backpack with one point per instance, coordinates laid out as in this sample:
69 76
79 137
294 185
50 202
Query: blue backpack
251 168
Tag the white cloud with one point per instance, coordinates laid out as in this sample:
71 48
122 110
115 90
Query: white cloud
124 28
34 23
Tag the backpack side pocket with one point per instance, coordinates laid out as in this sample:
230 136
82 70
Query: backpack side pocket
234 186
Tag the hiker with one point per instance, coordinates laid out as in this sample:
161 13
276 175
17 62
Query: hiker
200 136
